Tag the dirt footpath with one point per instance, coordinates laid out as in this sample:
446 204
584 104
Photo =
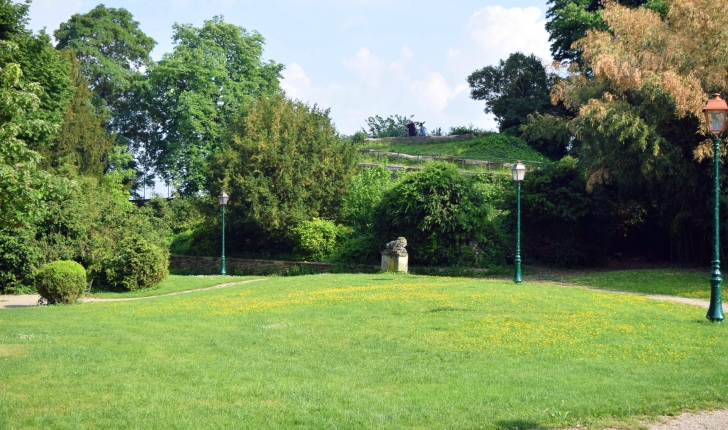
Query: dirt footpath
18 301
23 301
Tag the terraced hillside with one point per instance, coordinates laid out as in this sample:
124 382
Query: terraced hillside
492 147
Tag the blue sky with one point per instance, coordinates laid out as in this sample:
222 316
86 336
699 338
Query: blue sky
358 57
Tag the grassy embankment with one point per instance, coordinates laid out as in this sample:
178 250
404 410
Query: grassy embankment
495 147
360 351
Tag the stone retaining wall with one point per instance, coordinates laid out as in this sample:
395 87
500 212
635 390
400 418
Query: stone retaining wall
188 265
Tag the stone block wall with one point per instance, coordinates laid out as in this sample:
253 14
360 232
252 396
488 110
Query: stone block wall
188 265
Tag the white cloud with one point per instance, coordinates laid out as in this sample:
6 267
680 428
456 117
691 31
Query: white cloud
367 66
405 84
295 82
503 31
407 53
493 33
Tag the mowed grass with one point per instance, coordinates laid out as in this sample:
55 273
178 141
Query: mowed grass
672 282
482 147
171 284
360 351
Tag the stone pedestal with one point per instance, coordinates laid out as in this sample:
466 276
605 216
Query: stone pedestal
395 261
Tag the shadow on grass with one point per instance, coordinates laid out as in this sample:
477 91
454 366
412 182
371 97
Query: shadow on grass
519 425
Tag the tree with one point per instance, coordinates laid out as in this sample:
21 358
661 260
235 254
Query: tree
23 186
111 47
639 98
282 163
83 142
40 64
570 20
513 89
391 126
194 91
13 18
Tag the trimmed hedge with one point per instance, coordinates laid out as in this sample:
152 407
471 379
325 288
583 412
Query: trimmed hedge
61 281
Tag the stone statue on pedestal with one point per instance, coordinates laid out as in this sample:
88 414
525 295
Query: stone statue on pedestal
395 257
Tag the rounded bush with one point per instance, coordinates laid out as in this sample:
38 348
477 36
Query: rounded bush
138 264
61 281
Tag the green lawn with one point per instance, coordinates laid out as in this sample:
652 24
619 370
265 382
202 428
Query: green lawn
671 282
492 147
171 284
360 351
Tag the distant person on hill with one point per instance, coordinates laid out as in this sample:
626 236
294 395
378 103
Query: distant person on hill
411 129
423 130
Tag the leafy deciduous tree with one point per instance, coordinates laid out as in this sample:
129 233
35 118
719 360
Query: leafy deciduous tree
512 90
40 63
570 20
23 186
194 91
111 47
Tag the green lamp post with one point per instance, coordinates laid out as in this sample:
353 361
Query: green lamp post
715 116
223 198
519 172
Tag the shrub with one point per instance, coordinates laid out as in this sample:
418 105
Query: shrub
562 223
138 264
364 194
468 129
358 138
359 248
61 281
318 239
20 257
445 216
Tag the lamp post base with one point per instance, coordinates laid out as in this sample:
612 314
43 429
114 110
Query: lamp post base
715 312
517 277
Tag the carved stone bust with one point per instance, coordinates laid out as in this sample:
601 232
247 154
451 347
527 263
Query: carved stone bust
397 245
394 257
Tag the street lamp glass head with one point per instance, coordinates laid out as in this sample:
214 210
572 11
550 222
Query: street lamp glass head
223 197
715 114
519 171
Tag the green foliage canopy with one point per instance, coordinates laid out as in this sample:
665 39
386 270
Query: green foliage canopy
111 47
441 213
562 222
282 164
391 126
41 64
82 142
512 90
570 20
23 186
194 91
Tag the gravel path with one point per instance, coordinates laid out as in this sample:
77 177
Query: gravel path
714 420
22 301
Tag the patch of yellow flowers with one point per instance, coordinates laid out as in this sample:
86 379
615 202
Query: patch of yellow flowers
485 317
